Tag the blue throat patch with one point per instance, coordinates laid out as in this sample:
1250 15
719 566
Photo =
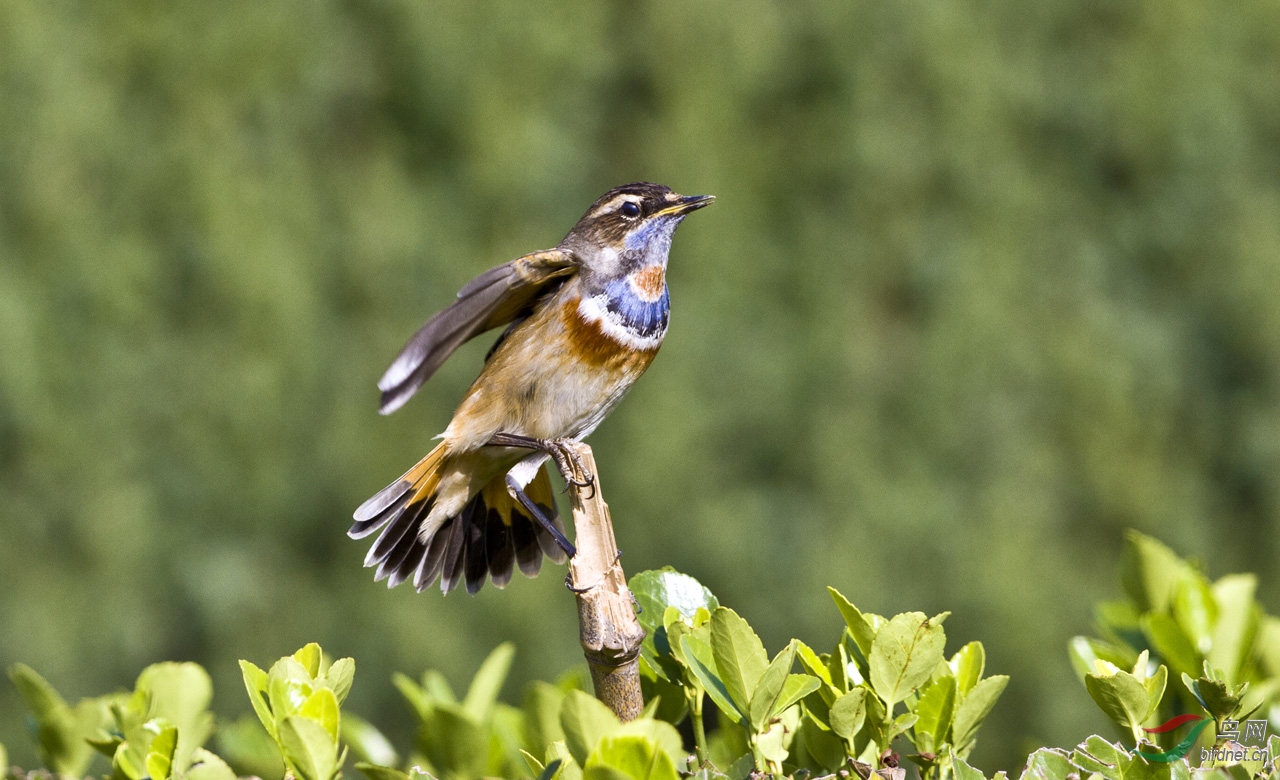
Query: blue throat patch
644 318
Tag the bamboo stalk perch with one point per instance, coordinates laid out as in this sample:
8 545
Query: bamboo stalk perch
608 629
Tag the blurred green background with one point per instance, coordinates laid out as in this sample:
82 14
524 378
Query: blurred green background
986 283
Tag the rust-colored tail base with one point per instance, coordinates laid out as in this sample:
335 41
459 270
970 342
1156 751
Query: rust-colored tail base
488 537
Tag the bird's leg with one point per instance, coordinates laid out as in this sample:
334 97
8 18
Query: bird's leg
560 450
518 493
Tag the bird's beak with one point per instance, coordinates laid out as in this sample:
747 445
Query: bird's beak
686 204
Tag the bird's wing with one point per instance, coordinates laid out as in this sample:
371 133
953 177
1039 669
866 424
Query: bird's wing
493 298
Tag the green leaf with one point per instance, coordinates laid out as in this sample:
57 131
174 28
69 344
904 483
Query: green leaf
812 663
244 743
415 694
159 760
61 731
669 635
322 707
41 698
585 721
654 591
629 756
794 689
1099 756
740 657
454 742
1195 610
570 769
129 762
506 735
288 686
965 772
901 723
1194 687
542 704
663 699
180 693
904 654
308 748
967 665
488 681
377 772
1155 685
863 633
367 743
770 685
1237 624
107 746
207 766
437 687
4 759
535 764
255 683
340 676
772 744
848 713
823 746
1121 696
699 658
935 710
1048 764
309 656
662 734
1218 699
975 708
878 721
1149 571
1086 652
1168 640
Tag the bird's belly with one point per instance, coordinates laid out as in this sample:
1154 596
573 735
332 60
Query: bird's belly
573 397
558 376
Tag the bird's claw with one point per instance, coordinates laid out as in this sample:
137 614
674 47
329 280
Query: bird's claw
570 465
568 581
562 451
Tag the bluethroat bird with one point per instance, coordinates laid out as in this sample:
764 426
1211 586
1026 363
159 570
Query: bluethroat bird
583 322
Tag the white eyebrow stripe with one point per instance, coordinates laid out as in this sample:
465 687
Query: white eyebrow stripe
618 201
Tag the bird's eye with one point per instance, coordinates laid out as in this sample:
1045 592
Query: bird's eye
630 209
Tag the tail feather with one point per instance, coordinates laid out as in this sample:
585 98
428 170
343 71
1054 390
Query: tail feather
476 565
412 478
432 562
362 528
499 552
389 541
528 555
453 557
486 540
412 562
397 561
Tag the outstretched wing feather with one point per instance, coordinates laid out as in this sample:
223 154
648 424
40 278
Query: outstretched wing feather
494 298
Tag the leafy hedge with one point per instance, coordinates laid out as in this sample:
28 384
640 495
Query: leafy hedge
884 692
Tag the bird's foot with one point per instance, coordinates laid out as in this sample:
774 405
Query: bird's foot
568 582
570 464
563 451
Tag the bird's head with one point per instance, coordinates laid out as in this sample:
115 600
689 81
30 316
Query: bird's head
629 227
